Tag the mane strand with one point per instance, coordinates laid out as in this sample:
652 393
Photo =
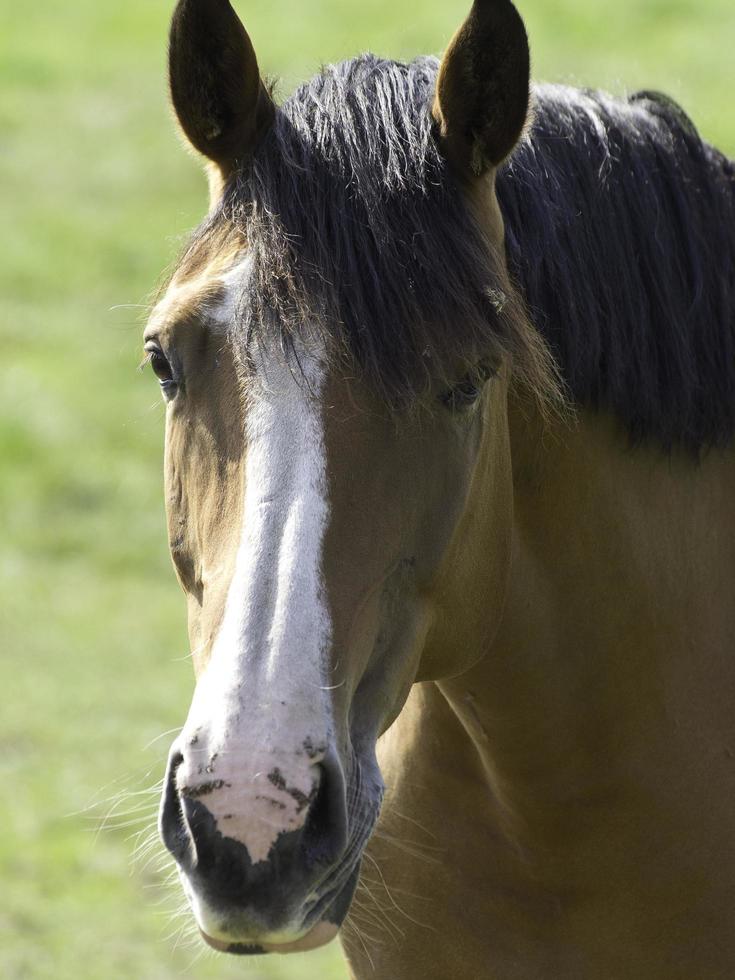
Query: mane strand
620 225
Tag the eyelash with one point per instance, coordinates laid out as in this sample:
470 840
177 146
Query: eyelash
467 392
161 367
461 396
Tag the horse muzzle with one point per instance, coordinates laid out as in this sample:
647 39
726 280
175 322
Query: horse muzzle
263 858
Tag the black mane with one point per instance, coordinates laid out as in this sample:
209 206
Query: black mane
620 225
360 236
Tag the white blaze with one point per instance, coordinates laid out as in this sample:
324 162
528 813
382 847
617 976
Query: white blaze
260 720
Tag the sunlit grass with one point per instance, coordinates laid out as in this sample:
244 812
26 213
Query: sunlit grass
96 194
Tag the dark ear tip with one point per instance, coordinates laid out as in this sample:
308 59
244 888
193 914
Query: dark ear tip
183 5
206 12
498 5
195 20
502 11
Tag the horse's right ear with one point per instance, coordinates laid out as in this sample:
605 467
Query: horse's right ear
482 90
216 89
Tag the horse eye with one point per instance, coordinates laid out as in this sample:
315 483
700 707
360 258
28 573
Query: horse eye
161 367
163 371
462 395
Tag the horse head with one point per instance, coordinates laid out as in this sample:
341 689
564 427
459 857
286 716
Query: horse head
335 350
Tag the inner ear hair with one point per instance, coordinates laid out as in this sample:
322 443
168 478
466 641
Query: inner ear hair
482 92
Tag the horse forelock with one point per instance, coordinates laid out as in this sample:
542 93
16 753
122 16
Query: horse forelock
355 226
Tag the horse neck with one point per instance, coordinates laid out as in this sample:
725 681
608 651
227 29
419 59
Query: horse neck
618 593
557 779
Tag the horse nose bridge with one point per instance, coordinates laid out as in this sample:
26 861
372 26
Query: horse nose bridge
250 740
263 682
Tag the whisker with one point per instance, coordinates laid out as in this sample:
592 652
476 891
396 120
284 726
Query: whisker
190 654
154 741
379 917
408 847
398 891
392 925
353 925
403 816
397 907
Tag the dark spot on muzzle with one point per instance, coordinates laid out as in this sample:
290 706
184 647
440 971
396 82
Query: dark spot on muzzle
301 799
196 792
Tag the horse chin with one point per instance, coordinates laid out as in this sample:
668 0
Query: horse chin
315 934
321 934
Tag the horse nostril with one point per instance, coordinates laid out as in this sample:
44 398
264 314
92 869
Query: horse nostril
172 823
325 832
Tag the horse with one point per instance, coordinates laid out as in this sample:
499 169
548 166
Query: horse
449 373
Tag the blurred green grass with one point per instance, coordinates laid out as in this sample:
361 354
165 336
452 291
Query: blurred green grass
95 196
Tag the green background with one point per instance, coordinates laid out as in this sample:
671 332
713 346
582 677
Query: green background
95 196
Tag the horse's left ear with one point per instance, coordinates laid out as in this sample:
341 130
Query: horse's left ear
216 89
482 91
